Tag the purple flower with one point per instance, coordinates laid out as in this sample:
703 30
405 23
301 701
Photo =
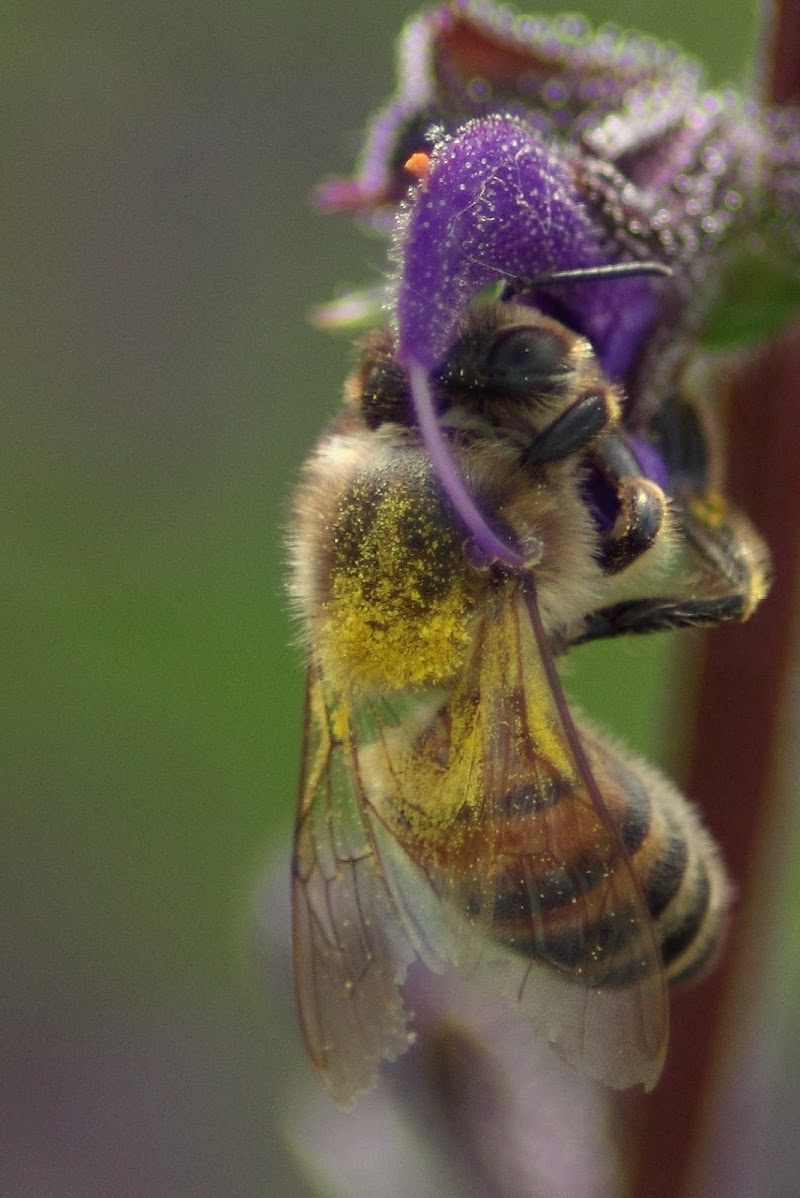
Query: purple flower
553 147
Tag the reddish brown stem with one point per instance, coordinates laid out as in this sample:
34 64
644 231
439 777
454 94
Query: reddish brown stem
741 686
782 84
740 693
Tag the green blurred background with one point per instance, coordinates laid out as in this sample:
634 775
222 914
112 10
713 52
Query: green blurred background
161 387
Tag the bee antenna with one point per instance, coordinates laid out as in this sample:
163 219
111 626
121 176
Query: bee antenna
588 274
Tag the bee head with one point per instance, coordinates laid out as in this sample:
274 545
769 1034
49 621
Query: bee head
509 351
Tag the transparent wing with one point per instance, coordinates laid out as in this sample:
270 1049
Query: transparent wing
534 836
546 839
478 829
362 911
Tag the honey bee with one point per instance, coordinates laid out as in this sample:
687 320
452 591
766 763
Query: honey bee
452 810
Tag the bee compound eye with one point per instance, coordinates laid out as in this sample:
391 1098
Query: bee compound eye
520 358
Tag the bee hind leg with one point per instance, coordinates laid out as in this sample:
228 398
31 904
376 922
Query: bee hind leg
660 614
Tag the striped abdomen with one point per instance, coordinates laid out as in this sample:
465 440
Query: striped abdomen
569 884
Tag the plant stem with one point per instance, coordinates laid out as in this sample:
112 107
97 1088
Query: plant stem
741 687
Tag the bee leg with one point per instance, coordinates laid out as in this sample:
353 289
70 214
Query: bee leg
573 430
735 578
728 545
640 504
681 433
661 614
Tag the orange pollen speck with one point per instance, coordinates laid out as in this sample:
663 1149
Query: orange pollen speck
418 165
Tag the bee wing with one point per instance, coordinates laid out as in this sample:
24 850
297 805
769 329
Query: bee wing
362 911
481 830
539 857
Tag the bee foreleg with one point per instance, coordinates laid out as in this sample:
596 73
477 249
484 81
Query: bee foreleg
573 430
641 505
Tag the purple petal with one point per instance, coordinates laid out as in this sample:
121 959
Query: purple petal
499 203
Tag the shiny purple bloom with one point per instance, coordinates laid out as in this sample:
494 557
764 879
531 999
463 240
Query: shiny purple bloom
501 204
